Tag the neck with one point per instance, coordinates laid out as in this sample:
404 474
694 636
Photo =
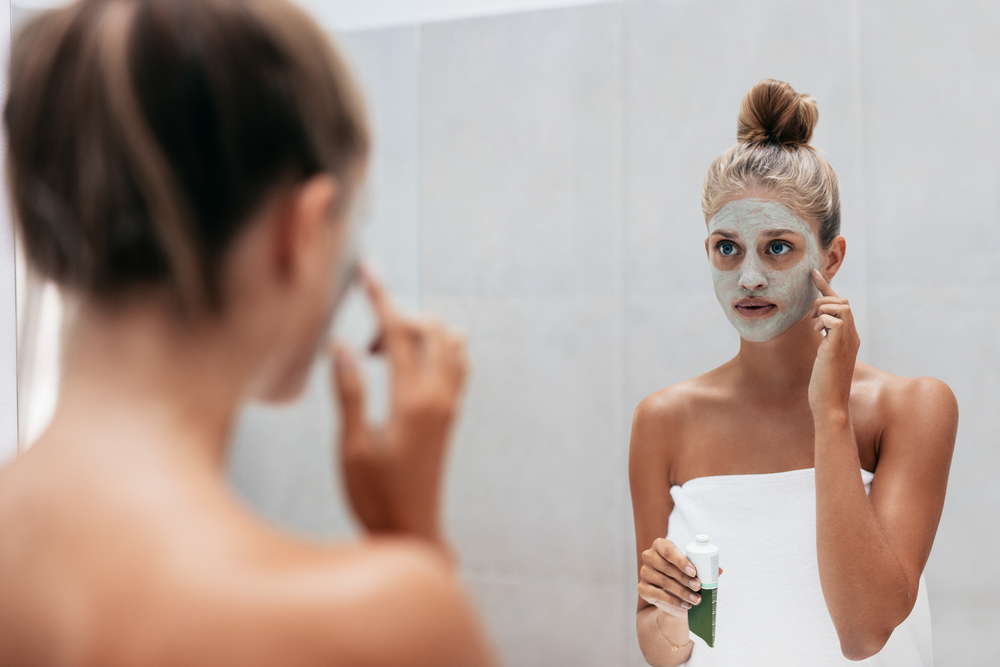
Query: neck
138 381
783 365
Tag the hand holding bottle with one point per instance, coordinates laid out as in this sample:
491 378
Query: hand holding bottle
667 578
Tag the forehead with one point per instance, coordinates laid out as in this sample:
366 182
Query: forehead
755 216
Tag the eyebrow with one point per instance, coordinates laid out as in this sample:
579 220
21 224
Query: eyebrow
769 234
783 231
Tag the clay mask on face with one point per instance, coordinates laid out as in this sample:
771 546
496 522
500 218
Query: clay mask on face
761 300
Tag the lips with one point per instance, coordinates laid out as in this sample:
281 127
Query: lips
754 308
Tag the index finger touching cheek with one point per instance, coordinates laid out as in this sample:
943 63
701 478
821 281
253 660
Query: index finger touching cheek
822 284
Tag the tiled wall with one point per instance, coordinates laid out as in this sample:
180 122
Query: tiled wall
537 179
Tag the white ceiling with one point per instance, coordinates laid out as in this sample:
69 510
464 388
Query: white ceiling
345 15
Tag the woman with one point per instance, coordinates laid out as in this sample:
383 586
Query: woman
185 170
820 478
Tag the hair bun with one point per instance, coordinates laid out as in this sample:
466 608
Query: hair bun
772 112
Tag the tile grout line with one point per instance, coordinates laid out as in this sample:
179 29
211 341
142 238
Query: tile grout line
861 146
618 135
418 121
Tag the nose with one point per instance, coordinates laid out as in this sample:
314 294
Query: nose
752 278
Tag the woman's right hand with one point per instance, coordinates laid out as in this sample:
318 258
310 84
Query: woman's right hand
393 471
667 579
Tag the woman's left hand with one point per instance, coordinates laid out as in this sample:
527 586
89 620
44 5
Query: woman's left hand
830 386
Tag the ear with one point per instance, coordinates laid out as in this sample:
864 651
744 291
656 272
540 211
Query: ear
301 221
833 258
707 253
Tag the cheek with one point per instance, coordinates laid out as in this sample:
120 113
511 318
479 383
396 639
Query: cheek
794 285
725 281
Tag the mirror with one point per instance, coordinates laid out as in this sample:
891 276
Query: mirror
536 180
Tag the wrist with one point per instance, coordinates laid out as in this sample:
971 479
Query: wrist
832 415
674 646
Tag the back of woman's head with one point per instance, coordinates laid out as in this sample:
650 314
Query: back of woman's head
773 159
144 134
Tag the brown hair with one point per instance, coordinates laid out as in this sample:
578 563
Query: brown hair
143 134
773 158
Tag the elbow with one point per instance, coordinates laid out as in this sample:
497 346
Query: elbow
865 644
863 636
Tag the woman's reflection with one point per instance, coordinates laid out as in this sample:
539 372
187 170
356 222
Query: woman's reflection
820 478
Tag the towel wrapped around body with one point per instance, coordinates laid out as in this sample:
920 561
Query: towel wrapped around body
771 610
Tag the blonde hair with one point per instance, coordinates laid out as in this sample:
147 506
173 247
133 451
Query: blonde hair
773 159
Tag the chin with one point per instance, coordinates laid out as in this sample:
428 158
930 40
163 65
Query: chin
761 331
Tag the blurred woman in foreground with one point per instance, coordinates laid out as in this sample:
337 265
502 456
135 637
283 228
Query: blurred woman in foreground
185 171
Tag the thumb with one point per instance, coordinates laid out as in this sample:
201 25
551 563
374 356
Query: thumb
351 396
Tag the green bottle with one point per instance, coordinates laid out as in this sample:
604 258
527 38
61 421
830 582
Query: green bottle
701 617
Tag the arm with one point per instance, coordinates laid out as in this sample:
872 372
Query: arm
416 612
661 615
894 527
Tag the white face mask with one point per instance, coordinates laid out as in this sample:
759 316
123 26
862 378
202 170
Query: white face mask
762 293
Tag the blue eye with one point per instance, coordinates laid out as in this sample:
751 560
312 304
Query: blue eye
779 248
727 249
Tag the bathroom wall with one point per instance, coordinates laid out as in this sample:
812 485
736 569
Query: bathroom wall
537 179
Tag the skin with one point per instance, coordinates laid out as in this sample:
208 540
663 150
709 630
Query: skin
122 541
798 400
749 285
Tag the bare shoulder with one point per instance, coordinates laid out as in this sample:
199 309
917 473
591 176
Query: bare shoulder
250 593
908 398
392 601
667 419
915 412
669 411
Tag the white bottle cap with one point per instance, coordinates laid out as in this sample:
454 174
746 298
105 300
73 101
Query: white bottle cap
701 538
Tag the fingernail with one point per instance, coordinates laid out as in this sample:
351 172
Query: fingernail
685 605
695 598
690 570
695 584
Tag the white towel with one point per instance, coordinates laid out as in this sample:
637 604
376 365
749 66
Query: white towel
769 613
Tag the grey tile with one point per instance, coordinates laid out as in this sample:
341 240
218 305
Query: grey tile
948 332
965 631
931 140
517 154
687 66
671 340
533 483
20 15
538 622
385 63
282 463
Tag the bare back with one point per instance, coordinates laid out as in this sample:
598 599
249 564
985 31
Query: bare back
156 569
